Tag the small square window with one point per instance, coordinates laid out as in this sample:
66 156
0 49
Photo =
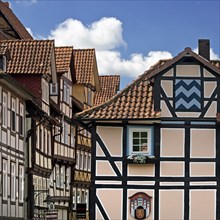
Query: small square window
140 140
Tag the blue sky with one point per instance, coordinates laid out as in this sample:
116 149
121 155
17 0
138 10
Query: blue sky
129 36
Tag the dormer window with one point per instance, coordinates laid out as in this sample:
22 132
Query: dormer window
53 89
3 64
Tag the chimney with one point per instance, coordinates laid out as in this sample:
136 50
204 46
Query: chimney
204 48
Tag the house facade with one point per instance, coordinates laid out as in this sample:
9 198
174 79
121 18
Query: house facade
84 90
13 99
155 145
32 64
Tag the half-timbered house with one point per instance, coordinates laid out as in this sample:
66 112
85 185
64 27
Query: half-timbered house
87 83
155 145
33 65
64 160
10 26
13 99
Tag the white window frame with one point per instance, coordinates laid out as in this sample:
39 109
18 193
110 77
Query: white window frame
62 176
21 120
89 162
57 176
81 155
149 131
13 114
21 183
5 179
68 178
13 181
85 163
4 109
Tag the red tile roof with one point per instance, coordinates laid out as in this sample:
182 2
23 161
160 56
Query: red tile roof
14 21
109 87
29 56
63 58
84 62
136 100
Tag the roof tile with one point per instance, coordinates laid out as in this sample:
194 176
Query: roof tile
29 56
109 87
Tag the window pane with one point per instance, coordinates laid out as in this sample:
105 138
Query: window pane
136 141
135 134
135 148
143 134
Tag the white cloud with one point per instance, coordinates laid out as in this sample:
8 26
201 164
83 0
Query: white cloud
213 55
110 62
105 35
26 2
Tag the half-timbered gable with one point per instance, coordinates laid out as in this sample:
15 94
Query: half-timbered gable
12 143
33 65
10 26
155 144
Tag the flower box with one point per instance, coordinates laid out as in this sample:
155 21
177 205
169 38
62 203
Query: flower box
140 159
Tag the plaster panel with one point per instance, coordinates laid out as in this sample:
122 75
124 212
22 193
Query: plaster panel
99 151
145 183
112 137
169 73
212 110
112 202
170 146
209 88
202 204
188 70
131 192
104 168
167 86
171 204
202 169
172 169
165 112
188 114
141 169
203 143
171 183
207 73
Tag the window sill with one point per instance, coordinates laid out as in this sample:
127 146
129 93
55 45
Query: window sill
141 159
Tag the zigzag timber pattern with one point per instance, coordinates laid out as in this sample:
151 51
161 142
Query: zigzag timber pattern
188 94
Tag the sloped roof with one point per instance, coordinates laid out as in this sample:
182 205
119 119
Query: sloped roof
29 56
84 61
4 51
14 21
109 87
136 100
63 58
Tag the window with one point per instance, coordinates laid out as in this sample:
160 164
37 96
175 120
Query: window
57 176
45 90
13 115
85 162
81 161
4 110
74 198
68 177
89 162
21 120
21 183
5 179
13 181
66 92
140 140
62 174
